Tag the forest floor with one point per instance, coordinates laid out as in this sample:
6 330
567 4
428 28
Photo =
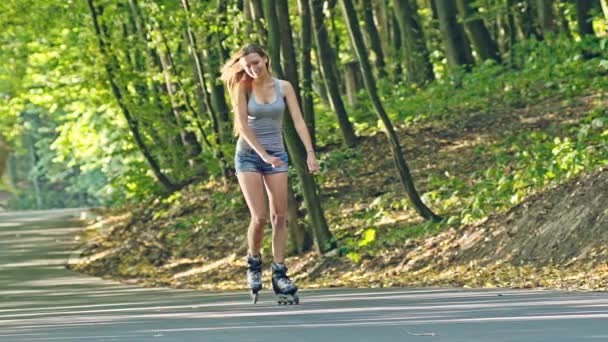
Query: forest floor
552 237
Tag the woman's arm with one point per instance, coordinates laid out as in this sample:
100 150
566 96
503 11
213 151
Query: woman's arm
300 125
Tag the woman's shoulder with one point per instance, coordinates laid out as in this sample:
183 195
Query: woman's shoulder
284 84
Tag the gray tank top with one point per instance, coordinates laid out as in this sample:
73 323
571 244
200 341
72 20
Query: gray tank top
265 121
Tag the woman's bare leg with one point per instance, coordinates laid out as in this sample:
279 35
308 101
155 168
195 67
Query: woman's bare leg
276 184
252 186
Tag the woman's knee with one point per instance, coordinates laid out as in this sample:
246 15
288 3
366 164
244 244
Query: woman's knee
278 217
258 221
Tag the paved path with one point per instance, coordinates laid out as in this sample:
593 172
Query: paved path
40 300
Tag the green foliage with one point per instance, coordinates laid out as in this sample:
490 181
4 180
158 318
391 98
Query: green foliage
522 164
542 70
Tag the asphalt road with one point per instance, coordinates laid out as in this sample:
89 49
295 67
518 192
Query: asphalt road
40 300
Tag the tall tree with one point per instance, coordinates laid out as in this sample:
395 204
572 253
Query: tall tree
297 232
324 239
584 17
418 64
247 13
483 43
300 239
306 67
397 48
217 54
274 35
457 48
258 15
527 19
374 36
514 30
546 16
356 37
327 72
385 25
5 151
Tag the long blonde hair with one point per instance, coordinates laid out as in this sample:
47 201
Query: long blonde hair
232 73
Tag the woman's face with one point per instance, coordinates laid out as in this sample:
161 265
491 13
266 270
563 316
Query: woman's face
253 64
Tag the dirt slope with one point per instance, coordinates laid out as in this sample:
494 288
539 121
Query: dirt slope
565 225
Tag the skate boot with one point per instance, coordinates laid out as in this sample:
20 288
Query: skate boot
282 285
254 275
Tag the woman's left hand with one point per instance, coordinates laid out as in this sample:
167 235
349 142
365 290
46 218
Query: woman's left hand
313 165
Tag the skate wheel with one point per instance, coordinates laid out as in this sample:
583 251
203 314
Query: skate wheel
282 300
288 300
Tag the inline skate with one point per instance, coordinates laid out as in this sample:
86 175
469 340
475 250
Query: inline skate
282 285
254 275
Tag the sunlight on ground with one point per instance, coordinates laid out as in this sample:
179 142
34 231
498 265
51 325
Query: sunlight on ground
10 224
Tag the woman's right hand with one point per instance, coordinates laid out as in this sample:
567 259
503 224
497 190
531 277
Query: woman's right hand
272 160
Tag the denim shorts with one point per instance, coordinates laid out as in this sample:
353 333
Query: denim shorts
248 160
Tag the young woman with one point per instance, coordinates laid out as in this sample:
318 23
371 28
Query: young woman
259 101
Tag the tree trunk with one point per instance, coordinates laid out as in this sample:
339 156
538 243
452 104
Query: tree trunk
418 65
483 43
350 17
327 72
528 20
457 48
434 12
12 171
584 17
324 240
219 104
546 17
300 238
306 68
274 35
336 48
33 174
5 152
350 80
562 21
258 15
513 31
335 35
249 19
397 49
384 20
290 68
374 37
218 55
110 66
500 38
